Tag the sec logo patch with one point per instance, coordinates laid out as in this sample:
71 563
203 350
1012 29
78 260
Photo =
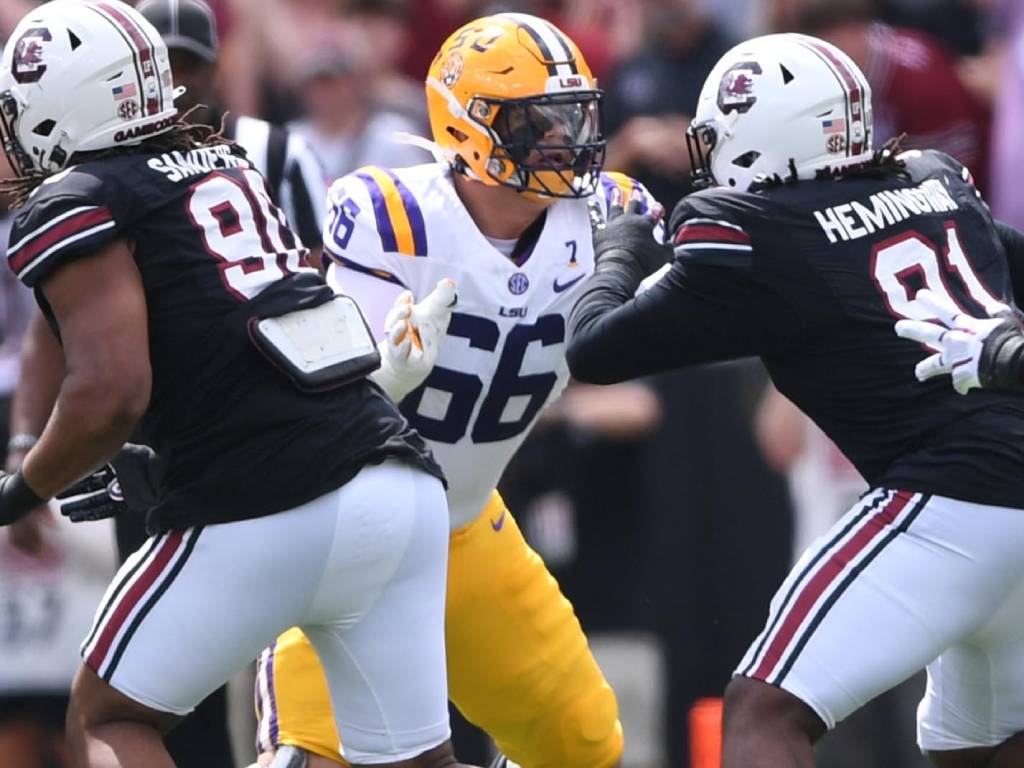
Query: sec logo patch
519 283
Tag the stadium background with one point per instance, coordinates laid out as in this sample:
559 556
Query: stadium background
670 512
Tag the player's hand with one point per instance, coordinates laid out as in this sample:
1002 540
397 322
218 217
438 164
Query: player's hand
413 334
627 240
959 341
129 483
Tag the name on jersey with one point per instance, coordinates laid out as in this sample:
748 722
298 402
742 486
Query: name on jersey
854 220
181 165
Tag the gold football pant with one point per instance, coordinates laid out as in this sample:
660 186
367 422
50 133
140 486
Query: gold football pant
518 663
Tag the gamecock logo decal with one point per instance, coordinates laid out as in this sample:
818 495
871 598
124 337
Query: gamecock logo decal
736 91
27 65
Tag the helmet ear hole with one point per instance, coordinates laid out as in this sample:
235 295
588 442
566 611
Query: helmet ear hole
747 159
45 128
74 40
787 76
456 134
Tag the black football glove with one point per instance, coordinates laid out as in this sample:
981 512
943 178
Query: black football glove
16 498
129 483
626 242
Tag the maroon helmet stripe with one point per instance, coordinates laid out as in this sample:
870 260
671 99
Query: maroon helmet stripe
853 86
127 41
146 58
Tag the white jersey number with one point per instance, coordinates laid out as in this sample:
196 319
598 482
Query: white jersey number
912 256
243 229
465 389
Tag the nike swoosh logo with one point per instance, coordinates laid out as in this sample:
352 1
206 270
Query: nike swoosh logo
559 287
500 522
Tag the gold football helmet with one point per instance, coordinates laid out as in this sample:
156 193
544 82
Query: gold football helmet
512 102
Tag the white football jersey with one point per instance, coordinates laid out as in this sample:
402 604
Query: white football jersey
504 358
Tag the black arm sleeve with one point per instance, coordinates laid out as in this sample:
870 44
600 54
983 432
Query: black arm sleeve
1013 242
694 314
1002 358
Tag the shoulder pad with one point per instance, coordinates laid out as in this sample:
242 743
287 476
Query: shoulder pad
929 162
72 212
708 227
373 223
385 205
922 162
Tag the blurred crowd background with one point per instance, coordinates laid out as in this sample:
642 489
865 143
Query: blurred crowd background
669 512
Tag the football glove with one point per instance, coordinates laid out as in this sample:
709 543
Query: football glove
967 348
129 483
627 243
412 339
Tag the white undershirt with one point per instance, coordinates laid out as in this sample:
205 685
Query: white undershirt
504 247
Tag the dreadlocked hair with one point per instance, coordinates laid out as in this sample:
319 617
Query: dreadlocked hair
182 137
884 162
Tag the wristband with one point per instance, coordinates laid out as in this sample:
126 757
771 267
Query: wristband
17 499
21 442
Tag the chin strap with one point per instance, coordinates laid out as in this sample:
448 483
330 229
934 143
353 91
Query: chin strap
447 157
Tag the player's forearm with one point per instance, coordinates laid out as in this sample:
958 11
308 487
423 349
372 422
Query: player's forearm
94 415
42 370
601 346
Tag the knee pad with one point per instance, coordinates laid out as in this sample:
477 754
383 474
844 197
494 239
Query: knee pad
290 757
591 734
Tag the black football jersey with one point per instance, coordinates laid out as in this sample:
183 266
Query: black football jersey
812 277
238 438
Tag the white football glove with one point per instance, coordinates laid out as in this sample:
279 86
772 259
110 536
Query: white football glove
412 339
956 337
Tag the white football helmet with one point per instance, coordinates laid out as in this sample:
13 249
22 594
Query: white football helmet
80 76
780 105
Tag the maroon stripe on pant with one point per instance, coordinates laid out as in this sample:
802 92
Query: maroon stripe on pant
826 576
153 572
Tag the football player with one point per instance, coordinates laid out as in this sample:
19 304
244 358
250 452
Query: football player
806 248
505 213
184 304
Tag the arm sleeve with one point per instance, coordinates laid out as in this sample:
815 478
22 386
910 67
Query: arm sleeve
375 297
1013 243
694 314
305 190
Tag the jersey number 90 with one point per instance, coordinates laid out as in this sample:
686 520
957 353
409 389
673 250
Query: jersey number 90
244 231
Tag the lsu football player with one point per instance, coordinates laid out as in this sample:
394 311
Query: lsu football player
505 213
